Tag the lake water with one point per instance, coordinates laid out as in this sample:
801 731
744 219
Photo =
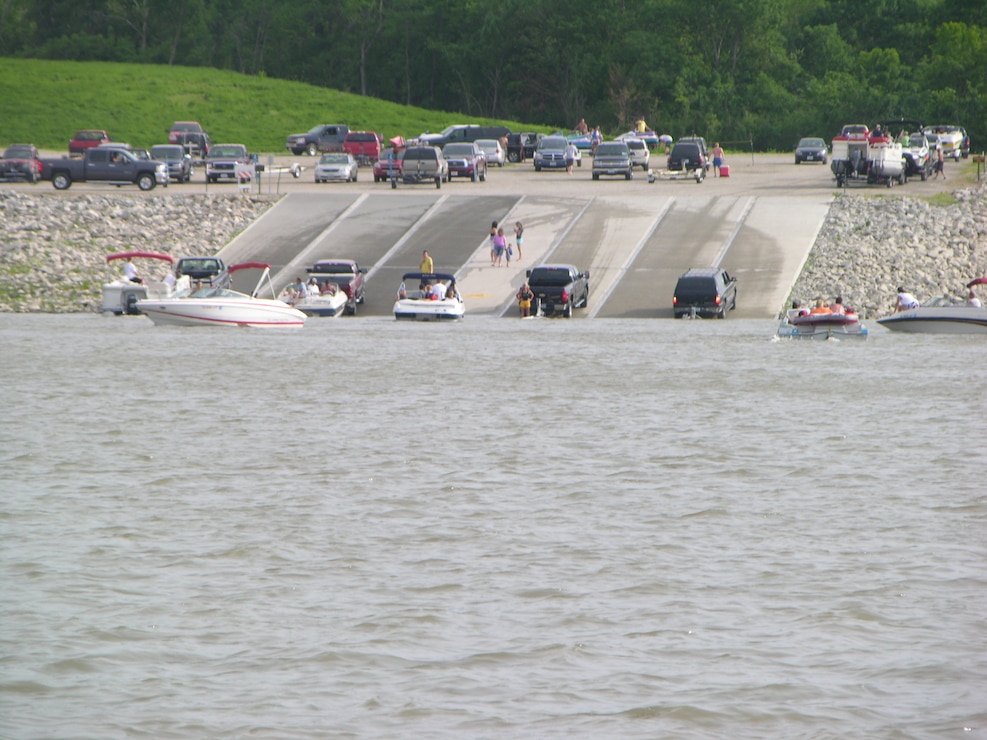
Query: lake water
494 529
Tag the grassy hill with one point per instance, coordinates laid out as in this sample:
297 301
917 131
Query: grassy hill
47 101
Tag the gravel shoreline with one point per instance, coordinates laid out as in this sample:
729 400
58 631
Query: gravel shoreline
53 250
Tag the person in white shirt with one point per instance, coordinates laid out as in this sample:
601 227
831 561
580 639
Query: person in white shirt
130 272
906 300
974 301
439 290
570 157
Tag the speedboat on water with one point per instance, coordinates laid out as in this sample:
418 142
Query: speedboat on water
330 302
821 326
219 306
940 316
120 296
436 298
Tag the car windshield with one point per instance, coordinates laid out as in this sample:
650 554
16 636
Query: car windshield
167 152
635 144
18 152
328 267
552 143
193 127
419 154
487 143
810 143
611 150
334 159
917 140
226 151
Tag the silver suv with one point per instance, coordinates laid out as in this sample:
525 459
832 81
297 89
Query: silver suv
423 164
640 156
612 158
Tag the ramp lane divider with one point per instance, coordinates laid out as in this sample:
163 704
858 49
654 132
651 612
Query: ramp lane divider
225 252
551 250
302 256
407 235
630 258
736 230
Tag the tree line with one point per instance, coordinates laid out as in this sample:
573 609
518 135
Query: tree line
768 71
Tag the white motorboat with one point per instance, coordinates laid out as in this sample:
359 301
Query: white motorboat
120 296
943 315
426 303
218 306
797 325
330 303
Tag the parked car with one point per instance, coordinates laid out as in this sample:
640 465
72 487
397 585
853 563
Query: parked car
855 130
558 289
363 145
20 162
87 139
178 160
389 163
465 160
99 164
550 154
522 146
701 143
322 138
191 137
705 291
423 164
222 161
347 275
493 151
811 149
918 156
613 158
338 166
462 133
640 154
687 156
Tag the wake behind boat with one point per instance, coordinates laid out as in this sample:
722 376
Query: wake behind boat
219 306
436 299
821 326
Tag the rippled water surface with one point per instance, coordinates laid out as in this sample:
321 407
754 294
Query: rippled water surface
496 529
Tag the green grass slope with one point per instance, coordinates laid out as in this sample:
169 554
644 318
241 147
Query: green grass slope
47 101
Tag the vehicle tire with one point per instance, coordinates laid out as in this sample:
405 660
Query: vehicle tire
537 168
586 299
567 310
513 157
376 179
483 176
579 162
923 176
596 175
394 184
356 174
824 160
629 175
722 314
438 183
798 161
473 177
312 150
145 181
61 181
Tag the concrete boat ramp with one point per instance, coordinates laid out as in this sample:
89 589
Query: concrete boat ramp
635 246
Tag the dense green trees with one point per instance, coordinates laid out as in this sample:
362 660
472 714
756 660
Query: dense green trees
770 70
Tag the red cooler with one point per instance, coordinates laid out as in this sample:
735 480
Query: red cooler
724 170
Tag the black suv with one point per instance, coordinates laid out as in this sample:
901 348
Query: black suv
705 291
687 156
558 289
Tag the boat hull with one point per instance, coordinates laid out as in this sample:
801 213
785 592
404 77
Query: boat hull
423 310
324 306
254 312
938 320
823 326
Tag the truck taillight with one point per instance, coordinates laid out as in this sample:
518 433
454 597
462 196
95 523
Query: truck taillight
675 300
565 296
718 298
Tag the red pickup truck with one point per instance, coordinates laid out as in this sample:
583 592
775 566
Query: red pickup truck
87 139
363 145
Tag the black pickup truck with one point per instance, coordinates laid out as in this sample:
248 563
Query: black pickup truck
104 164
321 138
558 289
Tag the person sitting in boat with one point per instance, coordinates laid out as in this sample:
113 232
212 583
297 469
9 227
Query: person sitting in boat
130 271
427 291
329 288
439 291
796 310
973 301
906 301
820 308
837 306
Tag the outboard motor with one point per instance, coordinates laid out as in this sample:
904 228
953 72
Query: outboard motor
130 304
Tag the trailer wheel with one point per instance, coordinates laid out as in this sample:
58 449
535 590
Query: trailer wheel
61 181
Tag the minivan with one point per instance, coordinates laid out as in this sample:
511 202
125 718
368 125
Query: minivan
705 291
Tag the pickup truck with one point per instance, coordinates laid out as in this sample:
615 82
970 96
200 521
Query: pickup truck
102 164
322 138
346 274
558 289
222 160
